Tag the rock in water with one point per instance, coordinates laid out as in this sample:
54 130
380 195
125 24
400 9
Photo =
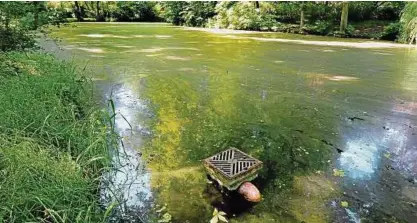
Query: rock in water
250 192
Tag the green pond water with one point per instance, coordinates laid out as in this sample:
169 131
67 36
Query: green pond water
335 126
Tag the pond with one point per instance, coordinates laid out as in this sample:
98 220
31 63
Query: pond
335 125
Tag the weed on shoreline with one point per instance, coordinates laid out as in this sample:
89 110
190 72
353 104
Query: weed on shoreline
54 142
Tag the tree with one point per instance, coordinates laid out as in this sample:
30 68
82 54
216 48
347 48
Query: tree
98 18
344 17
302 8
78 12
408 23
37 8
171 12
9 11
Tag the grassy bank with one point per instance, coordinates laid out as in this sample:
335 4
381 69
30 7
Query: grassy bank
53 142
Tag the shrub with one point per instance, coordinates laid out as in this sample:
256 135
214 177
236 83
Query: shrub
197 13
391 31
408 22
243 15
320 27
15 39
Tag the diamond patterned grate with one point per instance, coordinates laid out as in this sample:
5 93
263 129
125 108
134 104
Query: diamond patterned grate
232 163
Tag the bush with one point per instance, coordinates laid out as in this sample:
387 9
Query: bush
134 11
197 13
243 15
391 31
15 39
320 28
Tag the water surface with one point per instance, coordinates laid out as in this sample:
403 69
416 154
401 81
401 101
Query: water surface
335 126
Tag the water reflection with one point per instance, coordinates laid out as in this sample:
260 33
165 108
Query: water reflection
360 160
394 140
380 163
127 184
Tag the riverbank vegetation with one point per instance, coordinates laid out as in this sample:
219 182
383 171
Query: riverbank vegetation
53 141
54 138
374 20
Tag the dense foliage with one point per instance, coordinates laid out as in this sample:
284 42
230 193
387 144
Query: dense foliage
109 10
377 20
409 23
19 19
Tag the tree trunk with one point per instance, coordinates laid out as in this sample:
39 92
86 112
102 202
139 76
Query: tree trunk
98 17
78 12
344 17
257 4
35 15
301 20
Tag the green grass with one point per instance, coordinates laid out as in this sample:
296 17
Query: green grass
53 142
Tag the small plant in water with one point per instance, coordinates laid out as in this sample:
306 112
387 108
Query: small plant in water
338 173
218 216
165 218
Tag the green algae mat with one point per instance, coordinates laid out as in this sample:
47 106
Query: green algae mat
334 126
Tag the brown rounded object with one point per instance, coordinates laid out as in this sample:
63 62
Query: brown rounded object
249 192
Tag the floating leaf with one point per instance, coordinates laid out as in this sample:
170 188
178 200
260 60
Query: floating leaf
338 173
218 215
344 204
215 219
222 218
215 212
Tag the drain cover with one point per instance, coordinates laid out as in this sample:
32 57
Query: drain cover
232 167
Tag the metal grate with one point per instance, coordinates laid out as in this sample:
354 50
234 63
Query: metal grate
232 162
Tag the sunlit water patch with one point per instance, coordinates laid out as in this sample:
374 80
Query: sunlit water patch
177 58
360 159
163 36
104 36
91 50
127 183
